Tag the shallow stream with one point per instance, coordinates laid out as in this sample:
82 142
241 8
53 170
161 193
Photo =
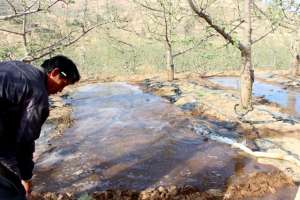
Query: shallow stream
124 138
287 98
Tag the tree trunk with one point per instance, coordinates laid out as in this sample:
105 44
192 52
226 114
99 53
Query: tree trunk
292 103
25 42
296 65
247 79
170 64
247 73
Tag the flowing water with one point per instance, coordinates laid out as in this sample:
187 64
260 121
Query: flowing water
287 98
124 138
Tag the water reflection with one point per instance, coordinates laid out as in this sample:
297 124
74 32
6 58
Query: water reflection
286 98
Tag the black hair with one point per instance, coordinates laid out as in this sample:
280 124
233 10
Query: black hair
65 65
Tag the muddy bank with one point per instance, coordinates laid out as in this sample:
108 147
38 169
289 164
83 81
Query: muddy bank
254 186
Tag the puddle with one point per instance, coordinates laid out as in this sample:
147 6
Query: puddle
287 98
126 139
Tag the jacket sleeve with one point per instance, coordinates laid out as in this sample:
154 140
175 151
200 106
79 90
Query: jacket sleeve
24 160
33 117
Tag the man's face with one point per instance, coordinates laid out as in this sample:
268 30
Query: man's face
56 81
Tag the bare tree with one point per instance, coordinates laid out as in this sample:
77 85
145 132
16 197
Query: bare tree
41 37
295 67
247 72
289 18
163 20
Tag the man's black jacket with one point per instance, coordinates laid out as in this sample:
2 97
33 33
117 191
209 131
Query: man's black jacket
23 109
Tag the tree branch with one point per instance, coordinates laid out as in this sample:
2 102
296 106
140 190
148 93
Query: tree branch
263 36
12 32
58 44
28 11
147 7
193 47
220 30
8 17
12 6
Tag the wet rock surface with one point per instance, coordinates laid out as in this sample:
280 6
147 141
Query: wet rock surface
140 141
269 128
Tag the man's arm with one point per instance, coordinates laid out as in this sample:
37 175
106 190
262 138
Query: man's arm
25 164
24 159
31 122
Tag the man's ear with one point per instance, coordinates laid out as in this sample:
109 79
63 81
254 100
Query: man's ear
54 72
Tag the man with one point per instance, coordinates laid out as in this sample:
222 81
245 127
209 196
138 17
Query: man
24 91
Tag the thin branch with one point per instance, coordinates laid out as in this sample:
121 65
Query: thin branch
193 47
12 6
34 3
24 35
28 12
263 36
238 25
166 25
56 43
8 17
148 7
55 2
52 48
220 30
12 32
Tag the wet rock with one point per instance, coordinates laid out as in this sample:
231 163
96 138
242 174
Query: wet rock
187 105
161 189
173 190
147 82
215 192
172 98
77 173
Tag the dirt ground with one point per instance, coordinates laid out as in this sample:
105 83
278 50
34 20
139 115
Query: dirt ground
200 98
253 186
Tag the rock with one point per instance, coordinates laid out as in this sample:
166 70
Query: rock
144 196
173 190
185 100
215 192
154 195
166 91
77 173
50 196
161 189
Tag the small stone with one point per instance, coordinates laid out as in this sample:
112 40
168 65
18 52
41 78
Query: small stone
144 196
78 172
161 189
60 197
154 195
215 192
173 190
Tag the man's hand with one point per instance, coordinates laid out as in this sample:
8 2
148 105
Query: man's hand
27 186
